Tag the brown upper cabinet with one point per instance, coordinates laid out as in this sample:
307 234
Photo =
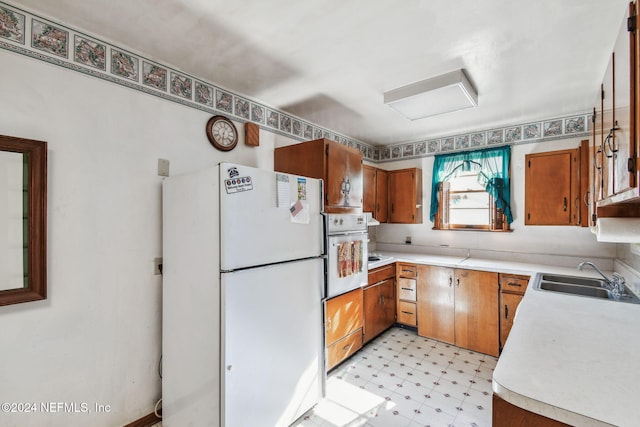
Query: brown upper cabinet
614 159
405 196
376 192
338 165
556 187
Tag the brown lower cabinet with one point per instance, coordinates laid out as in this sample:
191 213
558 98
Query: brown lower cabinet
504 414
512 288
406 286
459 307
343 326
379 301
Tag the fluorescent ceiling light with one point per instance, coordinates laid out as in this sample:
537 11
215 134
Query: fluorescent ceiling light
442 94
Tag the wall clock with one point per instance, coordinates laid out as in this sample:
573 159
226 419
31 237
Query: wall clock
222 133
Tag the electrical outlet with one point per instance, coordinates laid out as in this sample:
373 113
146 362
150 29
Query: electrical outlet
157 266
163 167
407 240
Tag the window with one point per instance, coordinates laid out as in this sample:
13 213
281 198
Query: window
470 190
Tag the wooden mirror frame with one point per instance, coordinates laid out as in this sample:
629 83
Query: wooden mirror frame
36 288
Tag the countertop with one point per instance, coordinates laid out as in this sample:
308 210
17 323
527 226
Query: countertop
570 358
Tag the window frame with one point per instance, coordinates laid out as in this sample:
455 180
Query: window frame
497 219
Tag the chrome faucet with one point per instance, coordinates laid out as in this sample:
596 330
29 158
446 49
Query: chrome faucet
615 283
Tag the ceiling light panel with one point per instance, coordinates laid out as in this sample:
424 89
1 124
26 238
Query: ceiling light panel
442 94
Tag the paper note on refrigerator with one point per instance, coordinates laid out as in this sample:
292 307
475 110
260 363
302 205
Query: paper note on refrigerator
283 193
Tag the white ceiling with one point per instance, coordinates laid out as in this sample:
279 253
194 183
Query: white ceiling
330 61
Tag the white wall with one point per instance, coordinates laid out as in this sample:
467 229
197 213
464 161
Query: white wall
97 338
520 245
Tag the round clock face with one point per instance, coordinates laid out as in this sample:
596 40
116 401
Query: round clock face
222 133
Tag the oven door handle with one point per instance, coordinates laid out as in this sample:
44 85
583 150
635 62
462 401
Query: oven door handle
347 233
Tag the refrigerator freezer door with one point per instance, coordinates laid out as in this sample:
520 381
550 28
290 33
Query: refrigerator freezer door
272 343
267 217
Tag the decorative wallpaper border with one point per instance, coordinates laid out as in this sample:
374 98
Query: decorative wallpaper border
60 45
544 130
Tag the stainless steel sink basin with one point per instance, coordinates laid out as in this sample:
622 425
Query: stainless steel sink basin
574 280
568 288
582 286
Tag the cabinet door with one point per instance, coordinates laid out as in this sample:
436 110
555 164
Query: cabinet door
607 131
597 158
343 184
622 136
405 196
382 195
548 188
508 305
343 315
379 308
369 189
476 311
436 315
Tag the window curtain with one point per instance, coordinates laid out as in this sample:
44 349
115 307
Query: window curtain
493 167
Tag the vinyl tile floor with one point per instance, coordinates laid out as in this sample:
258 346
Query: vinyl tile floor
402 380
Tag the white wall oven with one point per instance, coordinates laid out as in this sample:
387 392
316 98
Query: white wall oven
347 251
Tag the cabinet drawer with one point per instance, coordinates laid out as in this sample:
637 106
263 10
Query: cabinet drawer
407 313
513 283
340 350
381 273
407 289
408 270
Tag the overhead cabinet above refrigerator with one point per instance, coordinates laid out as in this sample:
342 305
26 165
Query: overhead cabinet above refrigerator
338 165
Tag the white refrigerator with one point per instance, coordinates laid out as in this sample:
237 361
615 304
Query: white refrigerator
243 282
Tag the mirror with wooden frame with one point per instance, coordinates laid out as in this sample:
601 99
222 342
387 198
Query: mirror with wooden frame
23 220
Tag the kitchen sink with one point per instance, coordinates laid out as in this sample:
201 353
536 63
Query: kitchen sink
574 280
568 288
582 286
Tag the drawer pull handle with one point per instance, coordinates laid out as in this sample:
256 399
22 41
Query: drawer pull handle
407 312
407 271
347 347
457 281
450 281
514 284
407 289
